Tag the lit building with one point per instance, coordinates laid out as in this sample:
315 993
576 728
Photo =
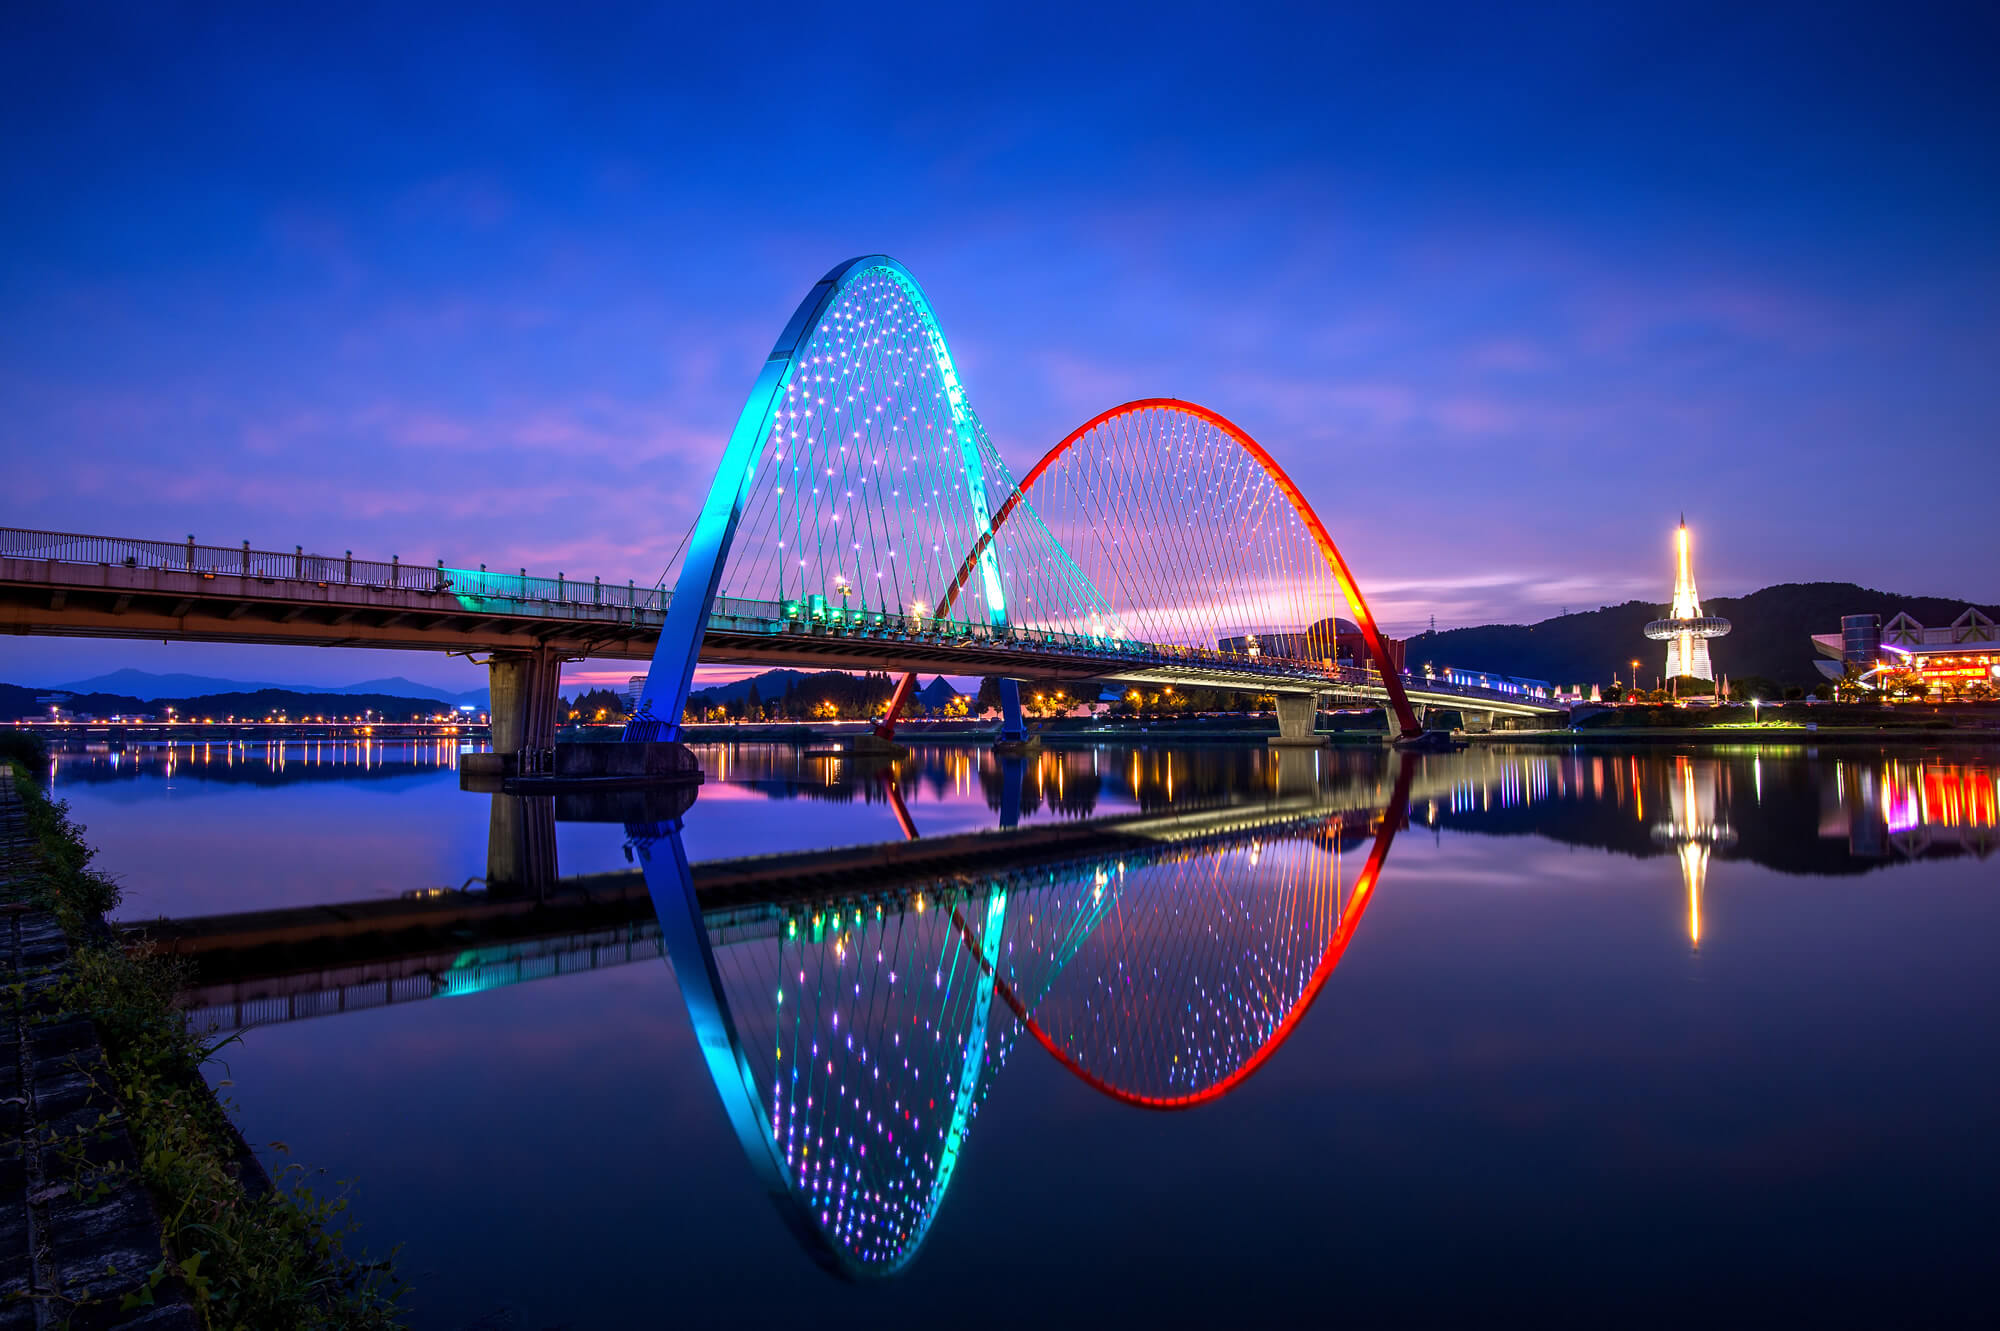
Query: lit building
1686 630
1330 640
1965 654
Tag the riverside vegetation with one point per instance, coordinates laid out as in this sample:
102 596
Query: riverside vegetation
251 1255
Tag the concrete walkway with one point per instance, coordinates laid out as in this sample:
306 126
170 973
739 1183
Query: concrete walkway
60 1244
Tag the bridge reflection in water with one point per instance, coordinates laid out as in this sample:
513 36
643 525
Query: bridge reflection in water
853 1044
855 1005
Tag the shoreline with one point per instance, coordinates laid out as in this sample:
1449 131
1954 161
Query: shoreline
132 1198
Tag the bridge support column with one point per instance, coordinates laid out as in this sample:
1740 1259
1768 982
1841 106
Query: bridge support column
1296 771
521 844
1013 776
1395 723
1013 727
526 689
1297 714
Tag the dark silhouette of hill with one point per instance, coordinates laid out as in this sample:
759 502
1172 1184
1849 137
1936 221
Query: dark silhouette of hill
17 701
770 686
1769 638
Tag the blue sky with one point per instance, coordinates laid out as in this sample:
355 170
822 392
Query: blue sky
1506 292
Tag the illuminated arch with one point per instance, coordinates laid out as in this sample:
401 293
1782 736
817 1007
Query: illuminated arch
1335 562
672 669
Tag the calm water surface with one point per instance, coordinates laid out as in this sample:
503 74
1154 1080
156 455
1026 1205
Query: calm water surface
1607 1038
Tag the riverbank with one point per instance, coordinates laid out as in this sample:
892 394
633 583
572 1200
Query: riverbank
129 1199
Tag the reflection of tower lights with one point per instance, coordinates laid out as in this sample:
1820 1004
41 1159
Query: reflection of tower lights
1694 870
1694 831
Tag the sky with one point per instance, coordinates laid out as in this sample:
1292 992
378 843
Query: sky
1505 292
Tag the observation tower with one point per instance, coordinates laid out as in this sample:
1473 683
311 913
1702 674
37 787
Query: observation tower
1686 630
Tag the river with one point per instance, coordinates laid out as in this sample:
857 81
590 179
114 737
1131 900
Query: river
1211 1034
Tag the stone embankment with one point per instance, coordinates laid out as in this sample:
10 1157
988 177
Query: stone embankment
78 1230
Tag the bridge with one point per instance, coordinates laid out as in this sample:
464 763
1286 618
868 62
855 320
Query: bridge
860 518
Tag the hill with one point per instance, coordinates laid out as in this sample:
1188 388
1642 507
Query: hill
18 702
147 686
770 686
1769 637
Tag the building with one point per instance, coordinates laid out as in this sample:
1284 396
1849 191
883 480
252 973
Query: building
1331 640
1686 631
1965 654
634 687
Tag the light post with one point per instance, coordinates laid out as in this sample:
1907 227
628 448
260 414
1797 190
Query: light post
1756 711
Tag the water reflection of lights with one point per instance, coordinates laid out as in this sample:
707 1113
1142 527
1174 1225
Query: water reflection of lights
853 1048
1917 808
1694 830
278 758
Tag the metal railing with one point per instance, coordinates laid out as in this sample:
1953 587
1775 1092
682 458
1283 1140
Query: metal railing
561 589
238 560
190 556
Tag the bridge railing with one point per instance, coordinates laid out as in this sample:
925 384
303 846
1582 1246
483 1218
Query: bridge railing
297 565
491 584
237 560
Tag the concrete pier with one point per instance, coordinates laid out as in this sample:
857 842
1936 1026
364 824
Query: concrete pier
1297 715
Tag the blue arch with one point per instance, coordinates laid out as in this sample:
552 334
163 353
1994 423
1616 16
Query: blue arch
669 677
670 881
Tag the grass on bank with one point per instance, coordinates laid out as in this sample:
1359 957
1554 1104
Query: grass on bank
250 1258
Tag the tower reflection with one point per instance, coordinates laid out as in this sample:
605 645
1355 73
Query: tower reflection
1694 830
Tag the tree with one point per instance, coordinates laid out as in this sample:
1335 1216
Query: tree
595 706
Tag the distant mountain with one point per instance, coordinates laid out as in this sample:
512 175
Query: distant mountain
1769 635
770 686
409 688
19 701
936 693
147 686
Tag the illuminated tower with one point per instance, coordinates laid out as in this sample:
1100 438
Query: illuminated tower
1686 630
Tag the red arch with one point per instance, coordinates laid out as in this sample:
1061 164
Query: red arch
1363 618
1329 960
